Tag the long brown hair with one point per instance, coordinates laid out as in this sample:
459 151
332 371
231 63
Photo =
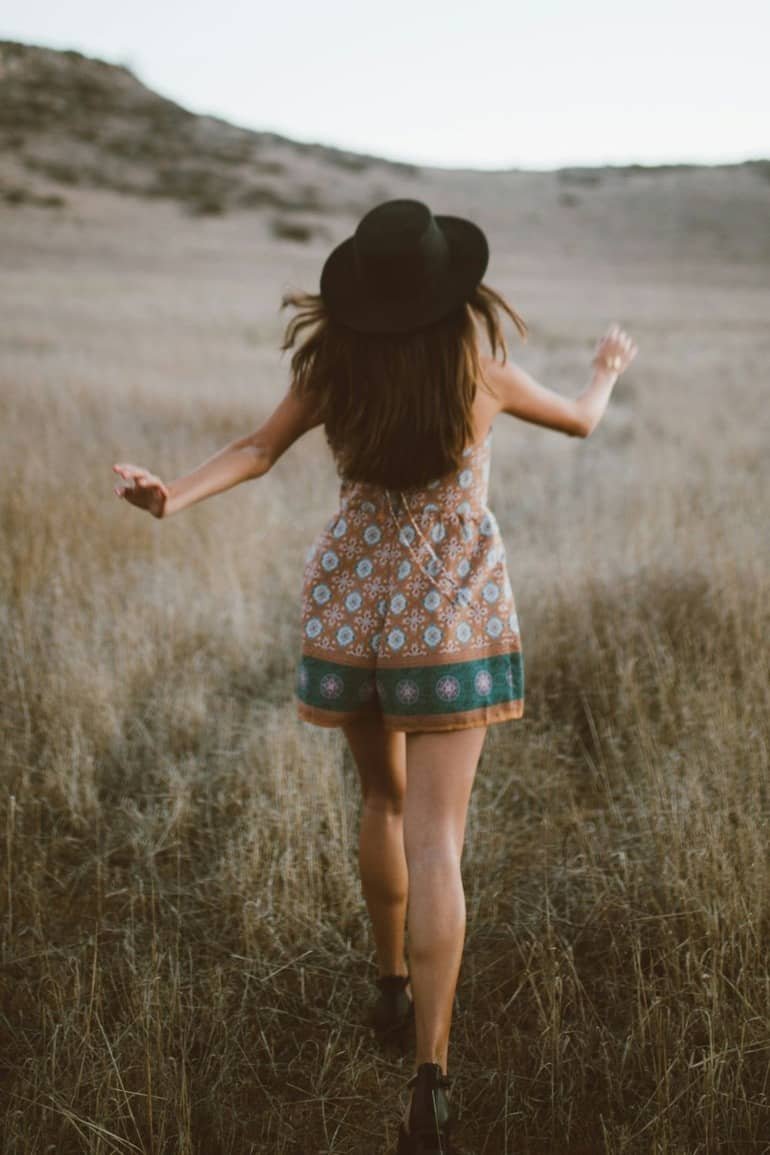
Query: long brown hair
396 407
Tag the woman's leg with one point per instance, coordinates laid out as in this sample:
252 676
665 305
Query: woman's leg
440 773
380 757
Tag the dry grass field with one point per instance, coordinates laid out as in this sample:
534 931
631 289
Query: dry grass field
185 956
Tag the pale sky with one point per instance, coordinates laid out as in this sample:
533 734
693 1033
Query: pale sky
487 84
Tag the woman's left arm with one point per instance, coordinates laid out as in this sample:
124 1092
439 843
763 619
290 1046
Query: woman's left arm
241 460
245 459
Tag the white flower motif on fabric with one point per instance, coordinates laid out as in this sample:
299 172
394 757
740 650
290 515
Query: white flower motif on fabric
322 593
396 639
345 635
465 478
330 560
368 506
381 605
468 530
372 534
404 570
407 690
513 622
340 528
463 567
432 600
313 627
438 532
433 567
353 600
486 525
491 592
494 627
397 603
447 688
483 682
389 551
464 596
433 635
364 567
331 685
406 535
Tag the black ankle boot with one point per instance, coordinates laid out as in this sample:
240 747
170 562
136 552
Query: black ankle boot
431 1115
394 1010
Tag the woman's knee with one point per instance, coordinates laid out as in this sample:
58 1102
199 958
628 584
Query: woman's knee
386 801
434 849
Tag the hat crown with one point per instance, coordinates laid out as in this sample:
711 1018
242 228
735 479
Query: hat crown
399 248
403 268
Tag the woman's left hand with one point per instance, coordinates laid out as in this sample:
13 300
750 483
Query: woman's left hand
146 490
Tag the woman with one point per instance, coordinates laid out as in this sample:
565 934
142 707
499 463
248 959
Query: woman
410 637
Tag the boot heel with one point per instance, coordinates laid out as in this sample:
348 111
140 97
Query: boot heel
431 1116
393 1013
418 1144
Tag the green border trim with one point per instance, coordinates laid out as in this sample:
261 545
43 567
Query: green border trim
443 689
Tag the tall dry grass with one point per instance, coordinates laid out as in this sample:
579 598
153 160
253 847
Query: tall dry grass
186 957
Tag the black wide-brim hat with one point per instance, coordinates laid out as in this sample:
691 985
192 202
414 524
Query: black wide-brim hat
403 269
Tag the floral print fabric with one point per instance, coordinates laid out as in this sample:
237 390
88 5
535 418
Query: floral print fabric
407 607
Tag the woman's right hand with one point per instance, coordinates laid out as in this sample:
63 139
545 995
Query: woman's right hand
146 491
614 351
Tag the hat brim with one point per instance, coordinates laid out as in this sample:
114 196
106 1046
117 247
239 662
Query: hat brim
350 301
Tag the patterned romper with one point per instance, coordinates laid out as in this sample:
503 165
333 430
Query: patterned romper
407 608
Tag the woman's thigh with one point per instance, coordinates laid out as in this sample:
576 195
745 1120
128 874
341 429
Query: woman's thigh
440 770
380 758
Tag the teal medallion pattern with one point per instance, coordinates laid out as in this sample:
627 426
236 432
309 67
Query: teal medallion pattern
442 690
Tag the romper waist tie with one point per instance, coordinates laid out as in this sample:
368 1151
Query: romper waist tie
417 530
